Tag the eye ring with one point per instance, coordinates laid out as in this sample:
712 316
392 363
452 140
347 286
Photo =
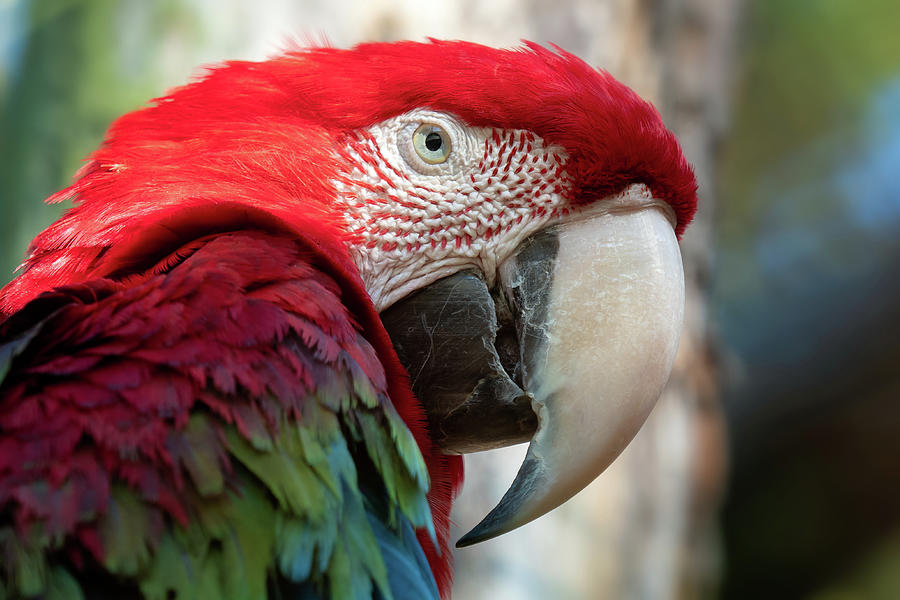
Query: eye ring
432 143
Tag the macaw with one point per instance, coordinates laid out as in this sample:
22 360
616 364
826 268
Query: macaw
290 294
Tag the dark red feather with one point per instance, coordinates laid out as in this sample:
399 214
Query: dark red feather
112 373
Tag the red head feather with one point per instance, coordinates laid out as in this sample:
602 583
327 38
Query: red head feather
258 139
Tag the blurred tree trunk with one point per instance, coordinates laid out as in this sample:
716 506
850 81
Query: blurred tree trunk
66 71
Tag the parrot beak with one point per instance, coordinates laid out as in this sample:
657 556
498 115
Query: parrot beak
581 334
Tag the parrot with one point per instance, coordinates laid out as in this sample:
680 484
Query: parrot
289 295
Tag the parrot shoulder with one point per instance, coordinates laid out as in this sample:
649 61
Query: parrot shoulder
217 426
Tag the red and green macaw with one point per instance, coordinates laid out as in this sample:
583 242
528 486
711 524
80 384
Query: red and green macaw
291 293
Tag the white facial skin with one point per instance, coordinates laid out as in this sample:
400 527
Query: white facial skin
419 222
425 210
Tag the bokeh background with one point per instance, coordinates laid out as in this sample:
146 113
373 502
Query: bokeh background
771 467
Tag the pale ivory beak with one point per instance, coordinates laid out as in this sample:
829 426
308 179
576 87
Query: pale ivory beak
598 324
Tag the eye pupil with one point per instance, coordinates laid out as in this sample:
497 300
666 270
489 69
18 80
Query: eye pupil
433 141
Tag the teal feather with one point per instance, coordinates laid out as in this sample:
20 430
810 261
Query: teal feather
409 575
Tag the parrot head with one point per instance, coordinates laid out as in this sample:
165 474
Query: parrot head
513 215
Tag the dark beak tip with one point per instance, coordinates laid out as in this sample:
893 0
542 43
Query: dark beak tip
505 516
480 533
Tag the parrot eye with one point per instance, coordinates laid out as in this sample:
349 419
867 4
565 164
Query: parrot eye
431 143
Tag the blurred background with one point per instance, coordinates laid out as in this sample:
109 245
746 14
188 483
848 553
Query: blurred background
771 467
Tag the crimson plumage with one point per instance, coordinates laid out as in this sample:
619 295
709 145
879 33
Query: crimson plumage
113 370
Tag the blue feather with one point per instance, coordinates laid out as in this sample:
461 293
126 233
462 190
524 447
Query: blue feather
409 576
